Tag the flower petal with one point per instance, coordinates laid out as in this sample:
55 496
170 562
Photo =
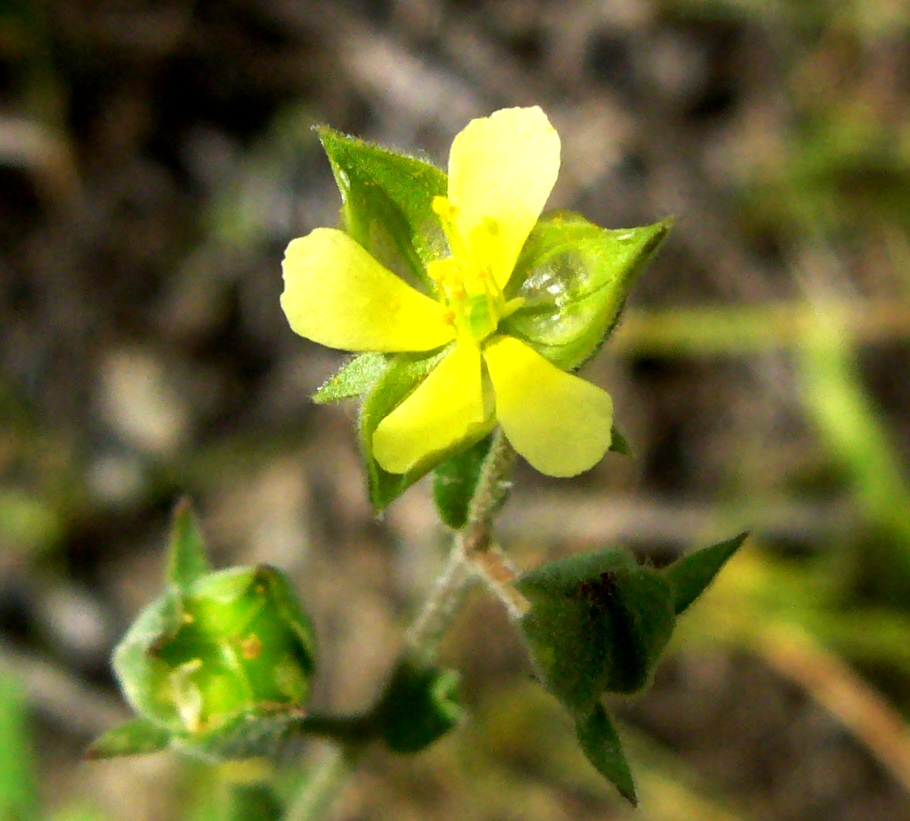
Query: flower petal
501 171
446 409
336 294
558 422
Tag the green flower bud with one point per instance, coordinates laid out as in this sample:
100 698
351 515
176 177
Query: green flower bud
598 623
229 651
573 278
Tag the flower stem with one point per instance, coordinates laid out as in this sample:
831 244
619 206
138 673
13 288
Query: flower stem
489 496
448 592
473 555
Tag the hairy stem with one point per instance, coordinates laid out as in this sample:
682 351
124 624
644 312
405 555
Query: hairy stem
448 592
473 555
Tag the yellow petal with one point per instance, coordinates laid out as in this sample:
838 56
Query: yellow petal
558 422
501 171
448 407
336 294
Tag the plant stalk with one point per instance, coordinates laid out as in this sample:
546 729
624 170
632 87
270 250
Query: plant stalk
469 558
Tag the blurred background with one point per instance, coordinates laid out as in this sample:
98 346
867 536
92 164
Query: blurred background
156 158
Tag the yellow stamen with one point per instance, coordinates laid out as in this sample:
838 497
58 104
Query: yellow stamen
470 295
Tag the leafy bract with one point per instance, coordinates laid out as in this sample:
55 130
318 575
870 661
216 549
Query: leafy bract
597 623
618 443
599 741
574 278
354 379
420 705
387 199
402 375
690 575
134 737
455 482
187 560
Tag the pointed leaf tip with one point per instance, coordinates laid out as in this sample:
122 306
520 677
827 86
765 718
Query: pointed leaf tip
353 379
600 743
134 737
187 559
618 443
690 575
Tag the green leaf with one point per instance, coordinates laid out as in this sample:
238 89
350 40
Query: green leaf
420 705
598 623
402 376
354 379
387 200
455 481
574 278
690 575
187 559
18 787
598 739
254 802
133 737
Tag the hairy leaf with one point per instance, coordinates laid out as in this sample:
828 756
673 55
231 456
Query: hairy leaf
134 737
387 198
690 575
455 481
399 380
420 706
574 278
598 739
354 379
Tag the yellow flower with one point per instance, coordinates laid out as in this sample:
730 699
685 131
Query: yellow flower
501 171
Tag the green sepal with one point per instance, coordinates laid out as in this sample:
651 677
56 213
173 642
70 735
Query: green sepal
455 481
690 575
618 443
599 741
401 377
598 623
135 737
187 557
387 199
573 278
263 732
420 705
254 802
354 379
137 670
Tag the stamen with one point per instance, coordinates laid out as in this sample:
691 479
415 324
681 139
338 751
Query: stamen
447 213
462 285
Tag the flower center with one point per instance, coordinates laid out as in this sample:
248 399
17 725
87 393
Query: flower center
473 301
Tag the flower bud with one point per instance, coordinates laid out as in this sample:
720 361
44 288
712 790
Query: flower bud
230 650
